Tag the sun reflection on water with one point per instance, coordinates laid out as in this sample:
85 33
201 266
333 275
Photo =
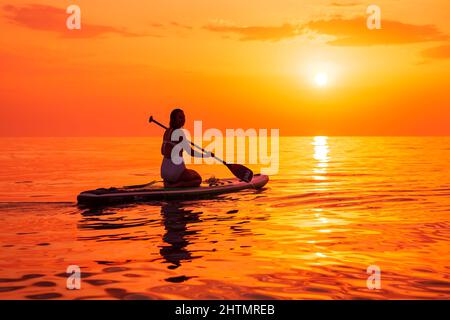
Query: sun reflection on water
301 238
321 151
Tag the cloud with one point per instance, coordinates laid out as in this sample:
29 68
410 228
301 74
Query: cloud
157 25
354 32
440 52
179 25
348 4
343 32
173 24
53 19
261 33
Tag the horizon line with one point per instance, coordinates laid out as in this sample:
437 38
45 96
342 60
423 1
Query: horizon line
288 136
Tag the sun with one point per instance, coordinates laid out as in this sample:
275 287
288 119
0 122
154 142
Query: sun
321 79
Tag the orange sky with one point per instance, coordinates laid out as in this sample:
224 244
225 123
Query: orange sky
229 63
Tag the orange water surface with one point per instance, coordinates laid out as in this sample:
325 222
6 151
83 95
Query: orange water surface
337 206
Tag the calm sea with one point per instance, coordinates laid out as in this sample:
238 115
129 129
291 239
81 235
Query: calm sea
337 206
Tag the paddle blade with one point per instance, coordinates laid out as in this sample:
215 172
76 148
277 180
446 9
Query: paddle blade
241 172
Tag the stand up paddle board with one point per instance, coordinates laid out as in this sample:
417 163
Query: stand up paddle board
158 192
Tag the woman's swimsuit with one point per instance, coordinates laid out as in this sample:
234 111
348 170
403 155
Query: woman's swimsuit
171 172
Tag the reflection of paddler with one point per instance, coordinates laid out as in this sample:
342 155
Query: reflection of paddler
175 220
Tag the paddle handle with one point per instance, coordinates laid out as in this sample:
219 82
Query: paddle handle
151 119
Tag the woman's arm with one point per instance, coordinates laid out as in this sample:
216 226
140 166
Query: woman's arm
188 148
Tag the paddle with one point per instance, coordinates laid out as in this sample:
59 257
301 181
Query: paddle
239 171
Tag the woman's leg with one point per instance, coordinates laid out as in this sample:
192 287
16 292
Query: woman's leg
189 178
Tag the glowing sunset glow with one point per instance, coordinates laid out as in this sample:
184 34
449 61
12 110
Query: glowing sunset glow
321 79
136 57
351 124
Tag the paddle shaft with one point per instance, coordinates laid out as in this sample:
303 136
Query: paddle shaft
193 144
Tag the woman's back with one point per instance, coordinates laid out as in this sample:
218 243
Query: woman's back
175 173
